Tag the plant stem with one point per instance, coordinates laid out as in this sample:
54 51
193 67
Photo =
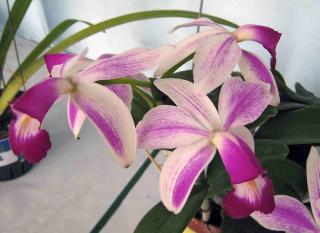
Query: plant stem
122 195
130 81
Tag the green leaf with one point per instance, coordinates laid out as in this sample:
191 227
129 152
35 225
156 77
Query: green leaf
314 100
139 107
266 148
122 195
247 225
15 83
301 126
11 26
285 106
160 220
288 177
268 113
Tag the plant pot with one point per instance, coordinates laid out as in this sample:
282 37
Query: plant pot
198 226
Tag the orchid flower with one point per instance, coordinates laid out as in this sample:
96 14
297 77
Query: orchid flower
74 76
292 216
196 129
217 53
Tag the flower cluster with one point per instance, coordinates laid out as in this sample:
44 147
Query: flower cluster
195 128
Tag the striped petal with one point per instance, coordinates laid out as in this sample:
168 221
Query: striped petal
27 139
313 177
112 118
202 22
181 51
266 36
124 92
245 135
192 99
169 127
76 118
289 215
215 58
250 196
241 103
181 170
253 68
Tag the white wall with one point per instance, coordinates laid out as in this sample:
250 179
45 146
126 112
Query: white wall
298 20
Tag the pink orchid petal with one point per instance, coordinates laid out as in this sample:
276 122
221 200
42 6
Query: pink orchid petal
169 127
250 196
181 51
192 99
75 64
112 118
241 103
76 118
36 101
239 160
27 139
215 58
289 215
253 68
123 91
52 60
202 22
180 171
245 135
128 63
266 36
313 177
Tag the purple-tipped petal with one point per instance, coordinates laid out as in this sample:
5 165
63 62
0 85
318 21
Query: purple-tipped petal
181 51
36 101
289 215
52 60
253 68
169 127
27 139
180 171
214 61
245 135
123 91
250 196
266 36
112 118
76 118
239 160
191 98
313 177
241 103
216 28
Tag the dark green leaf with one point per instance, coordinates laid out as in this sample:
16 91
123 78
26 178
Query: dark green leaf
266 148
301 126
160 220
139 107
314 100
247 225
288 177
268 113
285 106
11 26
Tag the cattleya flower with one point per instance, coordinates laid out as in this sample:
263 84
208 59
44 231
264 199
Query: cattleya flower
292 216
217 53
196 129
74 76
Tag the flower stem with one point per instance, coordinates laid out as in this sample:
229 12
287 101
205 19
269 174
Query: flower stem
153 161
125 80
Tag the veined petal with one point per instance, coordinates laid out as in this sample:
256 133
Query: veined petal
241 103
181 51
75 64
180 171
27 139
124 91
191 98
289 215
215 58
266 36
313 177
36 101
76 118
169 127
250 196
239 160
202 22
128 63
54 59
253 68
112 118
245 135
